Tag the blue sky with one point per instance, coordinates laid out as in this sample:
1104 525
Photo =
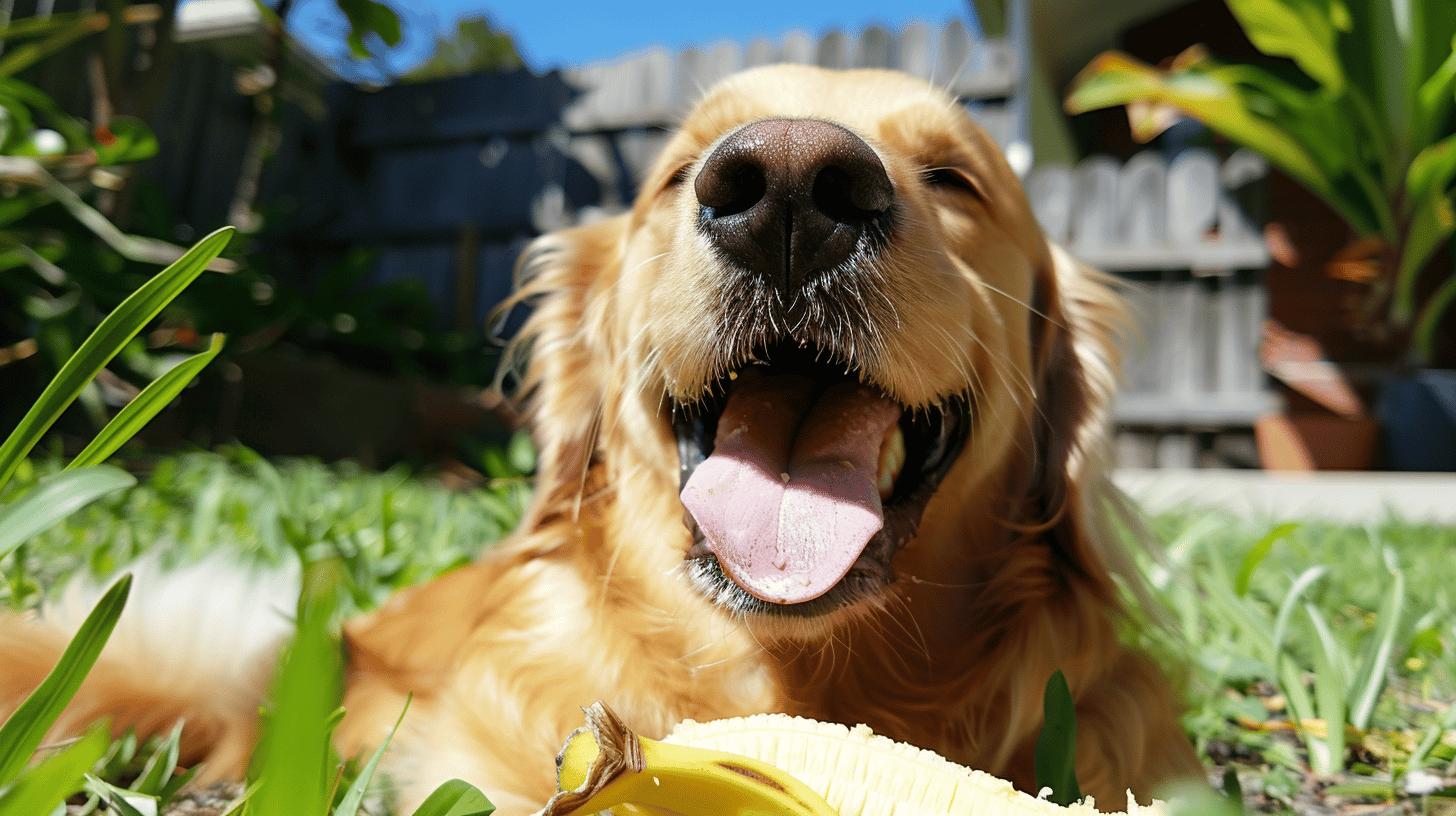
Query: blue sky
552 34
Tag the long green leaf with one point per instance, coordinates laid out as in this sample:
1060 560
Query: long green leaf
1056 745
1433 221
1370 680
119 799
23 57
456 798
48 784
1433 169
293 771
161 765
354 796
1423 333
1331 682
1305 31
1434 100
23 732
115 331
1258 553
157 395
37 26
54 498
1301 585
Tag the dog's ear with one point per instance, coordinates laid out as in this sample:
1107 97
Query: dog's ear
1079 323
564 350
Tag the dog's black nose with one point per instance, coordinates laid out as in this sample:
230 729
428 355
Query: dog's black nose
790 198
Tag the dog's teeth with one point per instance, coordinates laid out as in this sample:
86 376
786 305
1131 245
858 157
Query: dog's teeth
892 459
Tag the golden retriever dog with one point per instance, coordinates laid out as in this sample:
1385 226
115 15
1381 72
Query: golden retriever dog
821 424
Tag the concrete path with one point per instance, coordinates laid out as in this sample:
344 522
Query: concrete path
1336 496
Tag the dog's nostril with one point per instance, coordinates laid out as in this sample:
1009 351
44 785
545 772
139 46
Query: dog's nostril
851 194
729 188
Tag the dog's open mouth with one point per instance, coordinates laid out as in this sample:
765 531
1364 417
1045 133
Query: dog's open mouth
801 482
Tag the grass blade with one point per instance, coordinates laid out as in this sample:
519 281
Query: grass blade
1233 790
124 802
23 732
456 798
115 331
48 784
1331 677
1374 667
146 405
354 796
1056 744
54 498
1258 553
294 768
1301 585
158 770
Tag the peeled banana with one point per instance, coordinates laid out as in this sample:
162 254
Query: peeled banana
777 765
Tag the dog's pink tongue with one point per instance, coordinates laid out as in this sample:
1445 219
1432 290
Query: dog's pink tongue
788 499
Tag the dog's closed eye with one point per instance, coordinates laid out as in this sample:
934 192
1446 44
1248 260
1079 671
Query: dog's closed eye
953 179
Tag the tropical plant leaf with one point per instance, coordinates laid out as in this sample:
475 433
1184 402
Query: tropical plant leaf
1114 79
1306 31
1056 745
23 732
144 406
115 331
1428 321
1434 98
58 776
54 498
1432 170
1432 222
455 798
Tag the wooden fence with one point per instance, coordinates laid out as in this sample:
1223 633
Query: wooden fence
458 174
1185 234
629 104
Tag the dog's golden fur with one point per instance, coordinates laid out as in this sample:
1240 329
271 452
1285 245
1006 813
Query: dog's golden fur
1010 577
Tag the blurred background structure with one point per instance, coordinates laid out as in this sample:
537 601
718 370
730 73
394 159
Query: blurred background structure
387 172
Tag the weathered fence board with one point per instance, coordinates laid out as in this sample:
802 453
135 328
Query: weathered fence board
1180 231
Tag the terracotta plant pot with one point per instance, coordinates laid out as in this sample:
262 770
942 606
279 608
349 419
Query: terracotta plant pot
1317 441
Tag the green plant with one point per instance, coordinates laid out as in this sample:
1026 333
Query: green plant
296 763
43 786
1364 119
1056 744
1302 655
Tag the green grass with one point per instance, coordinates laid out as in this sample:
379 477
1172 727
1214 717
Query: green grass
389 530
1313 654
1258 706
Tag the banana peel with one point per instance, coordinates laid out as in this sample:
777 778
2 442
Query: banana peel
836 771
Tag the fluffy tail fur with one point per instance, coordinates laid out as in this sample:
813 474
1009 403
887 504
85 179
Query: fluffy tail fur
195 644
